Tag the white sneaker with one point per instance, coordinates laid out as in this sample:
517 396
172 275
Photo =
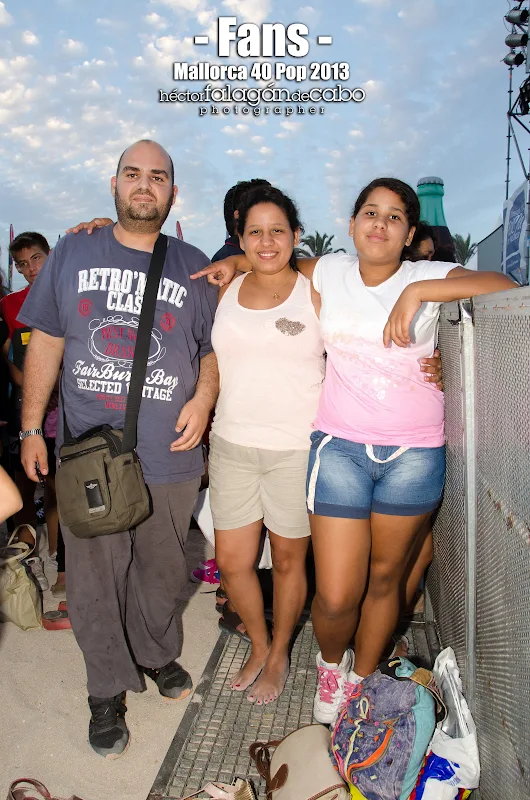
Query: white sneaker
330 690
37 570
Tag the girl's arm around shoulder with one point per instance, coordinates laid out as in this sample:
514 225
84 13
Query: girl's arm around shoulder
221 273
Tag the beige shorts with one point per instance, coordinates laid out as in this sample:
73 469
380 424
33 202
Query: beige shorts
249 483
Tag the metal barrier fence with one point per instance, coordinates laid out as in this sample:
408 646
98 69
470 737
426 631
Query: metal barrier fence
479 583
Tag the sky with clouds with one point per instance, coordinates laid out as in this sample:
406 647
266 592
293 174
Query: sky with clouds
79 82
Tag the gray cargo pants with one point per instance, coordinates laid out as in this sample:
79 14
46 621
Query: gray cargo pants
122 592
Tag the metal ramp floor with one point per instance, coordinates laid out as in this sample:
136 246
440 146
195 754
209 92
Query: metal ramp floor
212 741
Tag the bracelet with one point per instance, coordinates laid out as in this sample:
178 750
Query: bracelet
33 432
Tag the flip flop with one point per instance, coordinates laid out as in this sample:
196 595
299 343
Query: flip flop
230 622
221 598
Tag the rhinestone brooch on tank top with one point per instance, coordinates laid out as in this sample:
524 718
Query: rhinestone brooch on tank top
289 327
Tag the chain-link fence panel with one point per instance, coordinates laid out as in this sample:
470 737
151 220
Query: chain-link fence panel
446 582
502 712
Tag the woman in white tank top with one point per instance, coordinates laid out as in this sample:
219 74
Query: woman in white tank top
271 365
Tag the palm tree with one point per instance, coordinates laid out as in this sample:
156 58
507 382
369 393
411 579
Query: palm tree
463 248
318 245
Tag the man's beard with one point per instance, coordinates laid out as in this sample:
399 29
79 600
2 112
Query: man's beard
141 217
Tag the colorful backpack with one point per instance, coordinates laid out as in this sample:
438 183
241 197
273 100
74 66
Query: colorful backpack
382 733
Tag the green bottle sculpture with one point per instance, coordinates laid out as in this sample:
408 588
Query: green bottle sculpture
430 192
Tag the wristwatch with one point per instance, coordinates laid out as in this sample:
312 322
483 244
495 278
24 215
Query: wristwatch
33 432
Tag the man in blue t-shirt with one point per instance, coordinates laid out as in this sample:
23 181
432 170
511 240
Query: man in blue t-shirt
84 309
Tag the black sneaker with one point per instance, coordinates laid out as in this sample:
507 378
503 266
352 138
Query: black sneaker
172 680
107 731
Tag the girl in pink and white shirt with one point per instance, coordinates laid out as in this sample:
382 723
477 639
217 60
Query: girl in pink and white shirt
377 463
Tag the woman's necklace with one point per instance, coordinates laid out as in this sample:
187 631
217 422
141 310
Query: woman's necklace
276 295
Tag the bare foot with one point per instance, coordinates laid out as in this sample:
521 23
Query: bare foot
250 670
271 682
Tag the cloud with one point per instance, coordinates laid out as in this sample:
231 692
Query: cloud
73 47
357 133
105 22
236 130
249 10
5 16
29 38
182 5
237 153
160 53
419 13
156 21
308 15
355 29
257 139
55 124
266 151
288 129
291 126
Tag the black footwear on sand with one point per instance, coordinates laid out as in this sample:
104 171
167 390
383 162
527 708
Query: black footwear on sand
107 731
172 680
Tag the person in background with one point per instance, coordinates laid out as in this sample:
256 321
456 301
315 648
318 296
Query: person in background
4 379
232 199
422 248
445 254
423 245
29 251
230 620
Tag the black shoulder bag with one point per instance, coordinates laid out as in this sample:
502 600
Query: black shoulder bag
99 482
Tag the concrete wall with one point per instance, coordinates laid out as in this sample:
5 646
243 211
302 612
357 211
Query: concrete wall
489 252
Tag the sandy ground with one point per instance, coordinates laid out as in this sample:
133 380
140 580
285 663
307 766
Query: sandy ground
44 711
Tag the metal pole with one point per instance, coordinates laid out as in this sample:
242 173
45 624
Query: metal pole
526 276
510 92
467 366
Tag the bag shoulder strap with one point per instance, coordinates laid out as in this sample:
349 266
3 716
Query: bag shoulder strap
143 341
24 548
141 348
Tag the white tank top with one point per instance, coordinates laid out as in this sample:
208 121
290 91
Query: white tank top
271 368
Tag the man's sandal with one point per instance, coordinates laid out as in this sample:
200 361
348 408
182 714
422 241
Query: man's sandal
221 599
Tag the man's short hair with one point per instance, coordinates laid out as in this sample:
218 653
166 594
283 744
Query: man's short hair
147 141
233 198
28 239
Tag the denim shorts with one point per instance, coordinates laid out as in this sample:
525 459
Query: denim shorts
350 480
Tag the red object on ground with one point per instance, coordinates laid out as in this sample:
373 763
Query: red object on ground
57 620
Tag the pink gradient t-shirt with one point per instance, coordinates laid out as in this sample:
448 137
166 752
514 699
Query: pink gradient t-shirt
373 394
